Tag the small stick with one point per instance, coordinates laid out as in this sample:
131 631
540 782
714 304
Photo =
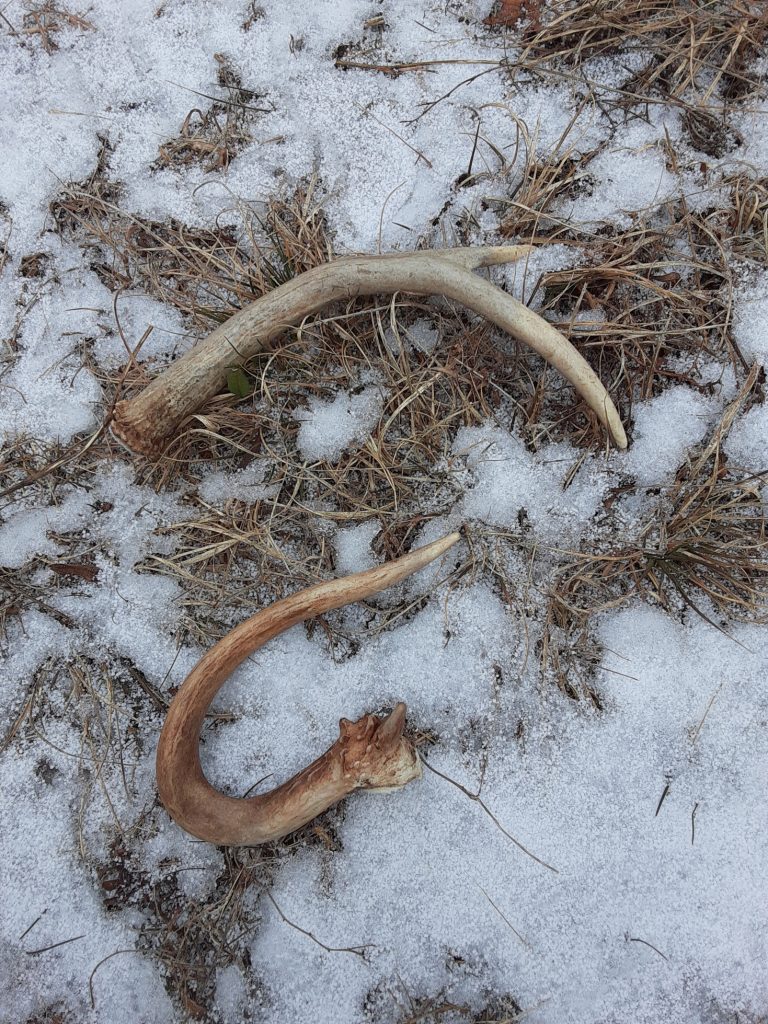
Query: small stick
54 945
505 919
662 798
477 799
357 950
650 945
98 965
37 920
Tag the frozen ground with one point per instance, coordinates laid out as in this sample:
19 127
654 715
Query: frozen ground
645 909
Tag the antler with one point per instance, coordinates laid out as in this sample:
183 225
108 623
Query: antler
146 423
371 753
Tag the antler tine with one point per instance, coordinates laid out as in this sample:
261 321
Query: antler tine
392 726
147 422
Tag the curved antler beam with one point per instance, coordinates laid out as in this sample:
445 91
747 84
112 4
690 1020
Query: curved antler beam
371 753
147 423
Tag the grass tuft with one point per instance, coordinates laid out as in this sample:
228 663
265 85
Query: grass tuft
703 549
42 22
688 48
214 136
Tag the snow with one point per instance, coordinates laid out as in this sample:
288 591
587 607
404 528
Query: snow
508 482
353 547
26 533
746 442
46 393
246 484
750 320
656 910
168 338
665 428
327 428
424 336
627 177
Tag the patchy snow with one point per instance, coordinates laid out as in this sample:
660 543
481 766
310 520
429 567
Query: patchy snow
509 485
328 428
657 909
665 428
746 443
28 532
626 177
46 393
750 320
246 484
424 336
167 339
353 547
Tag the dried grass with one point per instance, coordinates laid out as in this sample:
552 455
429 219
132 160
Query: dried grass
392 476
649 305
412 1009
747 221
44 21
214 136
207 274
691 51
646 303
703 549
195 938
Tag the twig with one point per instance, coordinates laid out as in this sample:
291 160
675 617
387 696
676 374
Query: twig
357 950
468 173
219 99
505 919
477 799
419 154
12 31
54 945
427 107
650 945
706 712
662 798
98 965
37 920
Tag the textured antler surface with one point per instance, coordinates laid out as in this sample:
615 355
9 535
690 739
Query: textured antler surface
147 422
371 753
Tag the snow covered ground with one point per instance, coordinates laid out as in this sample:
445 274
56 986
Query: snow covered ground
647 814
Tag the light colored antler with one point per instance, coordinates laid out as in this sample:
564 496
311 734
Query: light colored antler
146 423
371 753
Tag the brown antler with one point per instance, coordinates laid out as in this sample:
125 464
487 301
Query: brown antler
371 753
146 423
